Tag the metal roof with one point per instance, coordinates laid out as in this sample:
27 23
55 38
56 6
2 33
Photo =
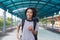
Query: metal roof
44 7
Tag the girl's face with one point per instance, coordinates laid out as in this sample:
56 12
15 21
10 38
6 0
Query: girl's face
29 13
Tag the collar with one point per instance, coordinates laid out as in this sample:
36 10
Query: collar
29 20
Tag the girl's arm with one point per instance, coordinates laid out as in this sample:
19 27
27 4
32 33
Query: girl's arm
18 28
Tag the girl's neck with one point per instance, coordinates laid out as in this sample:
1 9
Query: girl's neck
29 18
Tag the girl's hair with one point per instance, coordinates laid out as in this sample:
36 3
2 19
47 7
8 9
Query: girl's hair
33 10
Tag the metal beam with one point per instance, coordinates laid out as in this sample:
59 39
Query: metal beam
37 3
3 6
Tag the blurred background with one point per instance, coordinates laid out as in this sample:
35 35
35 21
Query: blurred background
12 11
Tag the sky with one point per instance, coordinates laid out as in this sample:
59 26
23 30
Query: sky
7 14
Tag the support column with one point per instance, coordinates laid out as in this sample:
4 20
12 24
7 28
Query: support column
52 21
15 20
11 20
4 23
46 21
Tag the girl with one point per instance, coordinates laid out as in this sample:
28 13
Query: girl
28 29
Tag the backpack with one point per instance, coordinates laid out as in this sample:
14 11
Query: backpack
23 20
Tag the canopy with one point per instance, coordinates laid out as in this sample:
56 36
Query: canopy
44 7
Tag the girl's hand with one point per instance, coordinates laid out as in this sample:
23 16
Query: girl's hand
30 28
18 37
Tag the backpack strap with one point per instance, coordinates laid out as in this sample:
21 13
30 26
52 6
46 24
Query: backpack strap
23 20
35 23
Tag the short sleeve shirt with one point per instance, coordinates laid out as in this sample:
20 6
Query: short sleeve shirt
26 34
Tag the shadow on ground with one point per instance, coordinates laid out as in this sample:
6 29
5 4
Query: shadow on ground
3 34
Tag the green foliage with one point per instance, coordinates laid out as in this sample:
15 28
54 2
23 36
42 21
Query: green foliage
43 20
1 22
8 22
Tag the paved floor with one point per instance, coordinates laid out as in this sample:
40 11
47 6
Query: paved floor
9 36
47 35
42 35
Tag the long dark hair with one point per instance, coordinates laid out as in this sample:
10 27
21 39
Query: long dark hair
33 10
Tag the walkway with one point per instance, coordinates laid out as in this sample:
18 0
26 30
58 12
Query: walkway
42 35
